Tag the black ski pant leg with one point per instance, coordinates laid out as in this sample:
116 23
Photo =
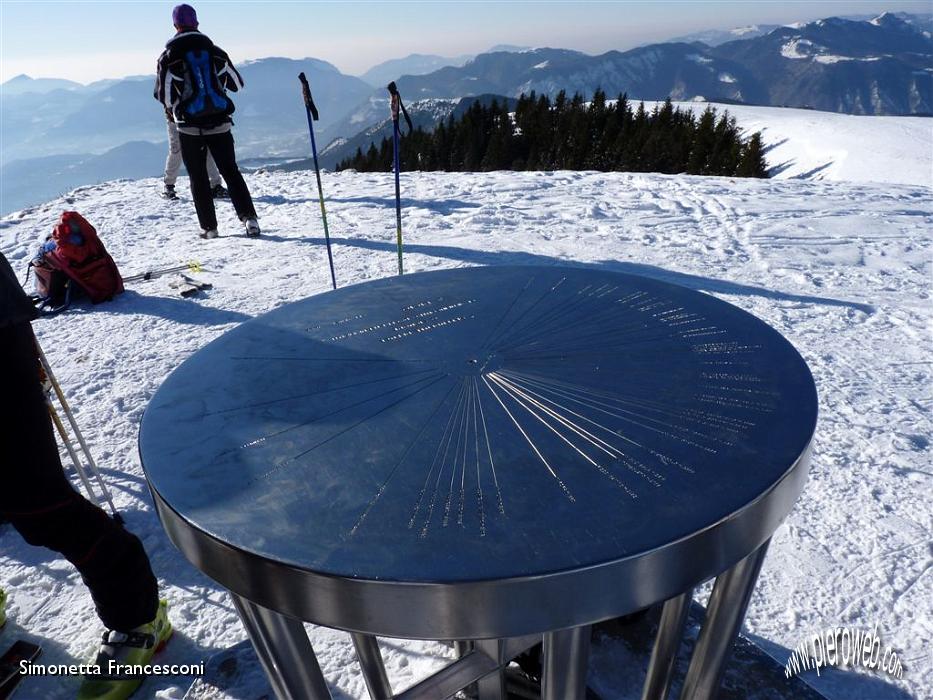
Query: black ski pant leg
194 154
40 503
224 154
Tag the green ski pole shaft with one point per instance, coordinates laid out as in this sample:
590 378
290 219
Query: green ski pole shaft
312 112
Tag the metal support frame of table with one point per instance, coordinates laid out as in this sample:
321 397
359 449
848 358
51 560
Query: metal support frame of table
378 460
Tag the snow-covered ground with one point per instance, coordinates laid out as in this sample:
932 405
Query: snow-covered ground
842 269
812 145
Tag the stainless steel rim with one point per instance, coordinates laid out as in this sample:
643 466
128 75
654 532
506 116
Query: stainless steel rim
496 608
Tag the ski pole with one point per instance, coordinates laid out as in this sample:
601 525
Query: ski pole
312 112
79 467
193 266
395 106
77 431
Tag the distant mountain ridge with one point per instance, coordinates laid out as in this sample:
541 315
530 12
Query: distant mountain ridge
882 66
269 113
414 64
879 65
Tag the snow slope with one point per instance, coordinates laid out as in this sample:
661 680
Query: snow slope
812 145
842 269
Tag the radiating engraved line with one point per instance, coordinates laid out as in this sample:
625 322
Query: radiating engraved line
463 469
492 463
655 478
461 438
544 326
316 393
568 395
544 323
391 473
599 345
264 439
690 415
555 336
524 313
508 310
600 468
589 404
481 509
565 339
440 472
585 434
562 485
292 460
326 359
437 452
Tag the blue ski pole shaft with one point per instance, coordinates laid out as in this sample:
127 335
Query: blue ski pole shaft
317 173
398 196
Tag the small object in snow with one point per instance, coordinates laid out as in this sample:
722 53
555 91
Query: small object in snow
209 233
219 192
10 675
188 286
169 192
252 227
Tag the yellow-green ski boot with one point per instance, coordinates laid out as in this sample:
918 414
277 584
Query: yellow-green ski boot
123 649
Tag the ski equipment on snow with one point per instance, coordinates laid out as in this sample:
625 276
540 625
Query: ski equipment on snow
312 117
188 286
192 266
73 257
397 105
49 376
11 664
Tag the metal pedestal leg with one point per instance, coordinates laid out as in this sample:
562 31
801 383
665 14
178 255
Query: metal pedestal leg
670 634
284 651
566 660
374 670
492 687
724 615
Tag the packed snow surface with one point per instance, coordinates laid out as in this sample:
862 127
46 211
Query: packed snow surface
842 269
813 145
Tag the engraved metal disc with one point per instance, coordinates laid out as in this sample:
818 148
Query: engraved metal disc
480 424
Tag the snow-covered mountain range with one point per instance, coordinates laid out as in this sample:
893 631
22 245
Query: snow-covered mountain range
880 66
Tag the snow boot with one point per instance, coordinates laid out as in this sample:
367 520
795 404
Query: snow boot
209 233
252 226
132 648
220 192
169 192
2 607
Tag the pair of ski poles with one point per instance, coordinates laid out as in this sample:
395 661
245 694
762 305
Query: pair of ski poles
312 113
79 465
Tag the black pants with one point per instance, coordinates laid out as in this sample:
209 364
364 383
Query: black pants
194 153
36 497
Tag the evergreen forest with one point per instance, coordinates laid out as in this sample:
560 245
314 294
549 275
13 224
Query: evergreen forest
570 134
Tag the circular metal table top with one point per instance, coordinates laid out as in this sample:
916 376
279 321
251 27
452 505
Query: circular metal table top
457 453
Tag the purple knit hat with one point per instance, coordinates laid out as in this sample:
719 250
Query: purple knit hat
184 16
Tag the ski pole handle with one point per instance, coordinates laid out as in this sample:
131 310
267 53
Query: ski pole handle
306 94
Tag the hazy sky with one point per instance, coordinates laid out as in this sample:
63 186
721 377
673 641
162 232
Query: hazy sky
86 41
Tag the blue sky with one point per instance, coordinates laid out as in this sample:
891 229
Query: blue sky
86 41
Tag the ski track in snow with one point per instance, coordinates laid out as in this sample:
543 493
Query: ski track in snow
841 269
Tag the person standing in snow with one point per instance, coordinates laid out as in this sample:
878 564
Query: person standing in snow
40 503
192 79
173 165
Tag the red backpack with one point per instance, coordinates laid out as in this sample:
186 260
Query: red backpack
74 257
